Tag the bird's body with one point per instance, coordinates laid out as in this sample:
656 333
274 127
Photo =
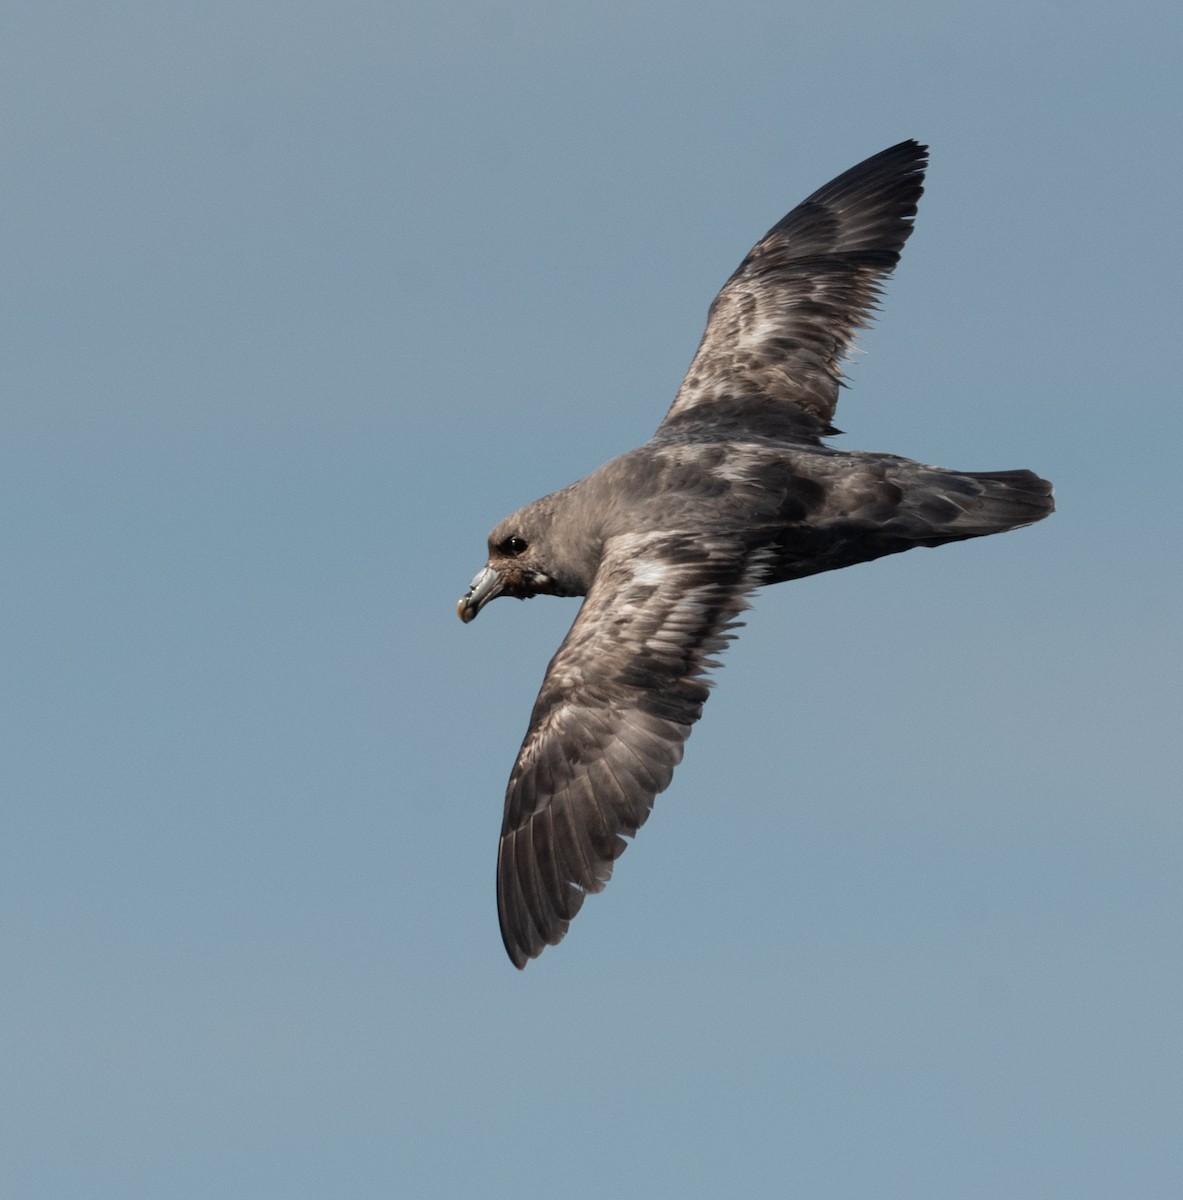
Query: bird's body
735 490
817 508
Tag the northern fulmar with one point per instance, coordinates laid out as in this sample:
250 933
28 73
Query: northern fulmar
735 490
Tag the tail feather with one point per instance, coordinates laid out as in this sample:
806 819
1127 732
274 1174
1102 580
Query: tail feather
918 506
992 501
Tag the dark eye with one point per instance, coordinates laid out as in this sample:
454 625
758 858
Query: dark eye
512 546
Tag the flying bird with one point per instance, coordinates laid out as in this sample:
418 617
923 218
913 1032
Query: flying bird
736 490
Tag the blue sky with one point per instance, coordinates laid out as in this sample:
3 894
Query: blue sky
299 300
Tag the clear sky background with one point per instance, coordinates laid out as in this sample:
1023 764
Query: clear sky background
299 299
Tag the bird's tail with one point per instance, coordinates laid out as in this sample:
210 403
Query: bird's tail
930 507
989 501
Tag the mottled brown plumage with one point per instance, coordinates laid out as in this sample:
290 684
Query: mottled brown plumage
667 542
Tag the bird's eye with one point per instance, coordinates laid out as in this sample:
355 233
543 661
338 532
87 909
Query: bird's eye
512 546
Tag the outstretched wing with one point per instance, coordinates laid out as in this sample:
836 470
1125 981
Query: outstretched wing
610 722
782 324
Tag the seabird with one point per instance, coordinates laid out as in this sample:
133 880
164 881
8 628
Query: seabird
735 490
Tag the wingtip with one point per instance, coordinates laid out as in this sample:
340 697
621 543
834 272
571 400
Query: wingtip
908 148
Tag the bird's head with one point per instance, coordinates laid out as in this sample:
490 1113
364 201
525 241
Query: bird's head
518 562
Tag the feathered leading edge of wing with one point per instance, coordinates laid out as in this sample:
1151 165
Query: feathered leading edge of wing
610 722
778 331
